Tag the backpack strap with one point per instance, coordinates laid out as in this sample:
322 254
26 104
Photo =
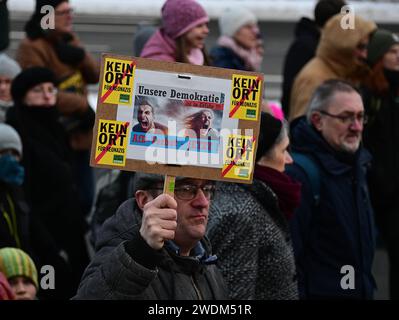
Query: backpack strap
312 171
308 165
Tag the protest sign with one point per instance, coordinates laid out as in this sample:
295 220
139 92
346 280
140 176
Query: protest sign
177 119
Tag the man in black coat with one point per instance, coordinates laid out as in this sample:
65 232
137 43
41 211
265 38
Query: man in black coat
333 230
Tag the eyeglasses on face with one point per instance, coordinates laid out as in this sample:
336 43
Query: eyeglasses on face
41 90
189 191
347 119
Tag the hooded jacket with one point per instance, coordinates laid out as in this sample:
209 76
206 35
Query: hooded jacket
339 231
334 60
125 267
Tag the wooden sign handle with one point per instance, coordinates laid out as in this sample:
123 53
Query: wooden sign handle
169 185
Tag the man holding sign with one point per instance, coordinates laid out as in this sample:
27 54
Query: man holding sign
154 246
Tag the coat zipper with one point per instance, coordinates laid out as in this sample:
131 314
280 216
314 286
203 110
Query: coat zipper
200 297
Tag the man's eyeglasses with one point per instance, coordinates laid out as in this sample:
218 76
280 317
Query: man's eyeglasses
348 119
189 192
40 90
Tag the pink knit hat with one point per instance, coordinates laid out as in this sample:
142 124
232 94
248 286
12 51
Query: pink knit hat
179 16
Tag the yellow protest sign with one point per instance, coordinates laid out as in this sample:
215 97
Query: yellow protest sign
238 157
117 82
111 142
245 97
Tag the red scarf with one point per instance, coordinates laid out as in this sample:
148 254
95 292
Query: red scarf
287 190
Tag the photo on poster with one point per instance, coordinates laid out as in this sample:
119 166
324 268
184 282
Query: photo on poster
182 119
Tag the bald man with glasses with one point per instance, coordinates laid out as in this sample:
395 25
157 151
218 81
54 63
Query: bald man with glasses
154 247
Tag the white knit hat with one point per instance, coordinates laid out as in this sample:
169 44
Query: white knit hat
9 138
8 67
233 19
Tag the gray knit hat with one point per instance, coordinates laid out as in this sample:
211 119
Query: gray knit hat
9 138
8 67
233 19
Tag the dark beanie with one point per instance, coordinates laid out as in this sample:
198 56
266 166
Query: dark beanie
29 78
380 43
325 9
41 3
32 27
270 128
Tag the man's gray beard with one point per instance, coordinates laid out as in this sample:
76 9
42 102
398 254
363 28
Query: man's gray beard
346 149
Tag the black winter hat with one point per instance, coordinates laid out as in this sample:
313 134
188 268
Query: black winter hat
270 128
41 3
32 27
325 9
380 43
29 78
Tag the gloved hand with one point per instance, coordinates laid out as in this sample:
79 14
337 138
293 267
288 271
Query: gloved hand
67 52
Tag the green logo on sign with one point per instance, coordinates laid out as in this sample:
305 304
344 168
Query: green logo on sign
123 98
118 159
243 173
251 113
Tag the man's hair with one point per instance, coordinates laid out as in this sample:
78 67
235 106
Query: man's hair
146 102
322 96
146 181
325 9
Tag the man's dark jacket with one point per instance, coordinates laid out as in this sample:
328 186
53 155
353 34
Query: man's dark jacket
340 230
125 267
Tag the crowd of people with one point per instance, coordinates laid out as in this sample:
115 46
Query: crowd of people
306 228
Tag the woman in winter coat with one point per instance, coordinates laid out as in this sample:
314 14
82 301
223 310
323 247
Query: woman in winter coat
59 49
182 34
381 138
248 225
237 47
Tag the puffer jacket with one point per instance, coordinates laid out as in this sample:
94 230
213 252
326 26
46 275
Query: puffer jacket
125 267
